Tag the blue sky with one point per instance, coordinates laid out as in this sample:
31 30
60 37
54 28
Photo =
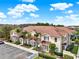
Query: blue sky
64 12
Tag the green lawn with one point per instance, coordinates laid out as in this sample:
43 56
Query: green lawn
75 49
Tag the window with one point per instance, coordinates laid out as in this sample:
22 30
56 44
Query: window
55 39
46 37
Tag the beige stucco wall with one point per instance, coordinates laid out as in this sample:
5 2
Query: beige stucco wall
58 43
59 40
52 40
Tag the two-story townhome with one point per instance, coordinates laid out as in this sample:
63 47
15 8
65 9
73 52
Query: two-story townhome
60 36
14 36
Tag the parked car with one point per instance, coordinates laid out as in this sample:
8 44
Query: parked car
1 42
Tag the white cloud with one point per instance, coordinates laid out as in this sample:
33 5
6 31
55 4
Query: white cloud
69 12
61 6
59 18
77 2
2 15
51 9
72 19
28 0
19 10
34 15
15 13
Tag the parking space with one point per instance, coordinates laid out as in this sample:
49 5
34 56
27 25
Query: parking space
10 52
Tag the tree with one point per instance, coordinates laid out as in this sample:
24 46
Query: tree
77 41
18 30
52 48
1 33
6 31
43 24
52 24
60 25
28 35
23 34
36 37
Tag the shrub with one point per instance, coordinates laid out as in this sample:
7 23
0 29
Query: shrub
17 42
73 39
27 45
75 50
77 41
58 53
70 47
46 56
52 48
68 57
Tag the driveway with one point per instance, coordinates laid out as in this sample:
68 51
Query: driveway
10 52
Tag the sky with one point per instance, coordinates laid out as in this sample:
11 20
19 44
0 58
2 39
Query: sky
65 12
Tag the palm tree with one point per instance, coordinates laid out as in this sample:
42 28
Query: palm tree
28 37
23 36
37 39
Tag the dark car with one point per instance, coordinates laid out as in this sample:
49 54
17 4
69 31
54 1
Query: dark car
1 42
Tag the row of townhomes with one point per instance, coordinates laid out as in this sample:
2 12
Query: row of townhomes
44 35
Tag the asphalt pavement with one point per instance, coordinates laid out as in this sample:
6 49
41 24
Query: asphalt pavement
10 52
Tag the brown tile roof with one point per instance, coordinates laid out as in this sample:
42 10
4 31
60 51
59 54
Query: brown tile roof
51 30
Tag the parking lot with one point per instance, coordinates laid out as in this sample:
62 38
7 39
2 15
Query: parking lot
10 52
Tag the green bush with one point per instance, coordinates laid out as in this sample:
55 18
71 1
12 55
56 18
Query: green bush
17 42
68 57
75 50
46 56
73 39
70 47
27 45
58 53
77 41
52 48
